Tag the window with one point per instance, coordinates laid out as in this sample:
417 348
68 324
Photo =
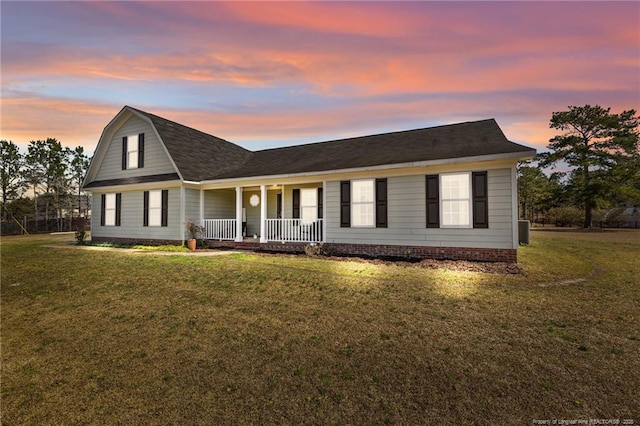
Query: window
455 198
309 205
362 202
110 209
156 208
133 152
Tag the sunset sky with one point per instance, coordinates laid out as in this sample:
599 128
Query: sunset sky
271 74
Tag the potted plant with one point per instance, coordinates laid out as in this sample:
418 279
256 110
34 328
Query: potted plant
194 231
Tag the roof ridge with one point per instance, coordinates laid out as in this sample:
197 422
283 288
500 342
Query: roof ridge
375 134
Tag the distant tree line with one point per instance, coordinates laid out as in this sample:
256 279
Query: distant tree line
594 165
44 183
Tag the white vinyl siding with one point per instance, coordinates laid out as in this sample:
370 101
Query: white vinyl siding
131 223
110 210
220 204
156 160
455 200
192 205
362 203
407 216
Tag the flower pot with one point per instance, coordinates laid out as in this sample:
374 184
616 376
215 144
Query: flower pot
192 245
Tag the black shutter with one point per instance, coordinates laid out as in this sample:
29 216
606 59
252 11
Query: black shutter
320 204
145 209
345 204
381 203
433 201
124 153
480 198
165 208
118 206
103 202
141 150
296 204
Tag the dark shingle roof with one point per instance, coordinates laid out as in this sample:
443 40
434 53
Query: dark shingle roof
200 156
133 180
470 139
197 155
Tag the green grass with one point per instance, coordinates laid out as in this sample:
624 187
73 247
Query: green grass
114 338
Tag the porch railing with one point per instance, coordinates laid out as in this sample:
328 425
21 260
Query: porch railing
294 230
220 229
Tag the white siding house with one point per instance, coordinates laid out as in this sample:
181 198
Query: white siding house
442 192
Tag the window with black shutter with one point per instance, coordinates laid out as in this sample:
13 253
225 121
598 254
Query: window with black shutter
296 203
118 208
145 208
480 200
345 204
103 209
433 201
165 208
320 204
381 203
125 150
141 150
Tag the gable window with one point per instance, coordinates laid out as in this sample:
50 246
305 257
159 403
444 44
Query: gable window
133 152
110 209
155 208
457 200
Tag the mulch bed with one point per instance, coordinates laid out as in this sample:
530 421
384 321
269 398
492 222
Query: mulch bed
454 265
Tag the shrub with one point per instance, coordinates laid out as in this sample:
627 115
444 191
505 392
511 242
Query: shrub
566 216
314 250
81 231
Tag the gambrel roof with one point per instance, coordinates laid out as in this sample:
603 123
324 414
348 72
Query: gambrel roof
202 157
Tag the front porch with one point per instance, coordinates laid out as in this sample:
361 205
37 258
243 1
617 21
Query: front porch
280 230
264 214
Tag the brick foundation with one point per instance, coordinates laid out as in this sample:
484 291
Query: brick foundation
119 240
363 250
421 252
387 251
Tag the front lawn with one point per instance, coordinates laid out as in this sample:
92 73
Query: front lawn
100 337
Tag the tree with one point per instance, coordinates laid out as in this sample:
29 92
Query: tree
594 143
533 190
11 162
47 169
79 165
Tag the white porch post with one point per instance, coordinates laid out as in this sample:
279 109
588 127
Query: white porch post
238 213
183 221
201 207
263 213
324 211
283 204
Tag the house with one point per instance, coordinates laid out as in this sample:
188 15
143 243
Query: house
440 192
